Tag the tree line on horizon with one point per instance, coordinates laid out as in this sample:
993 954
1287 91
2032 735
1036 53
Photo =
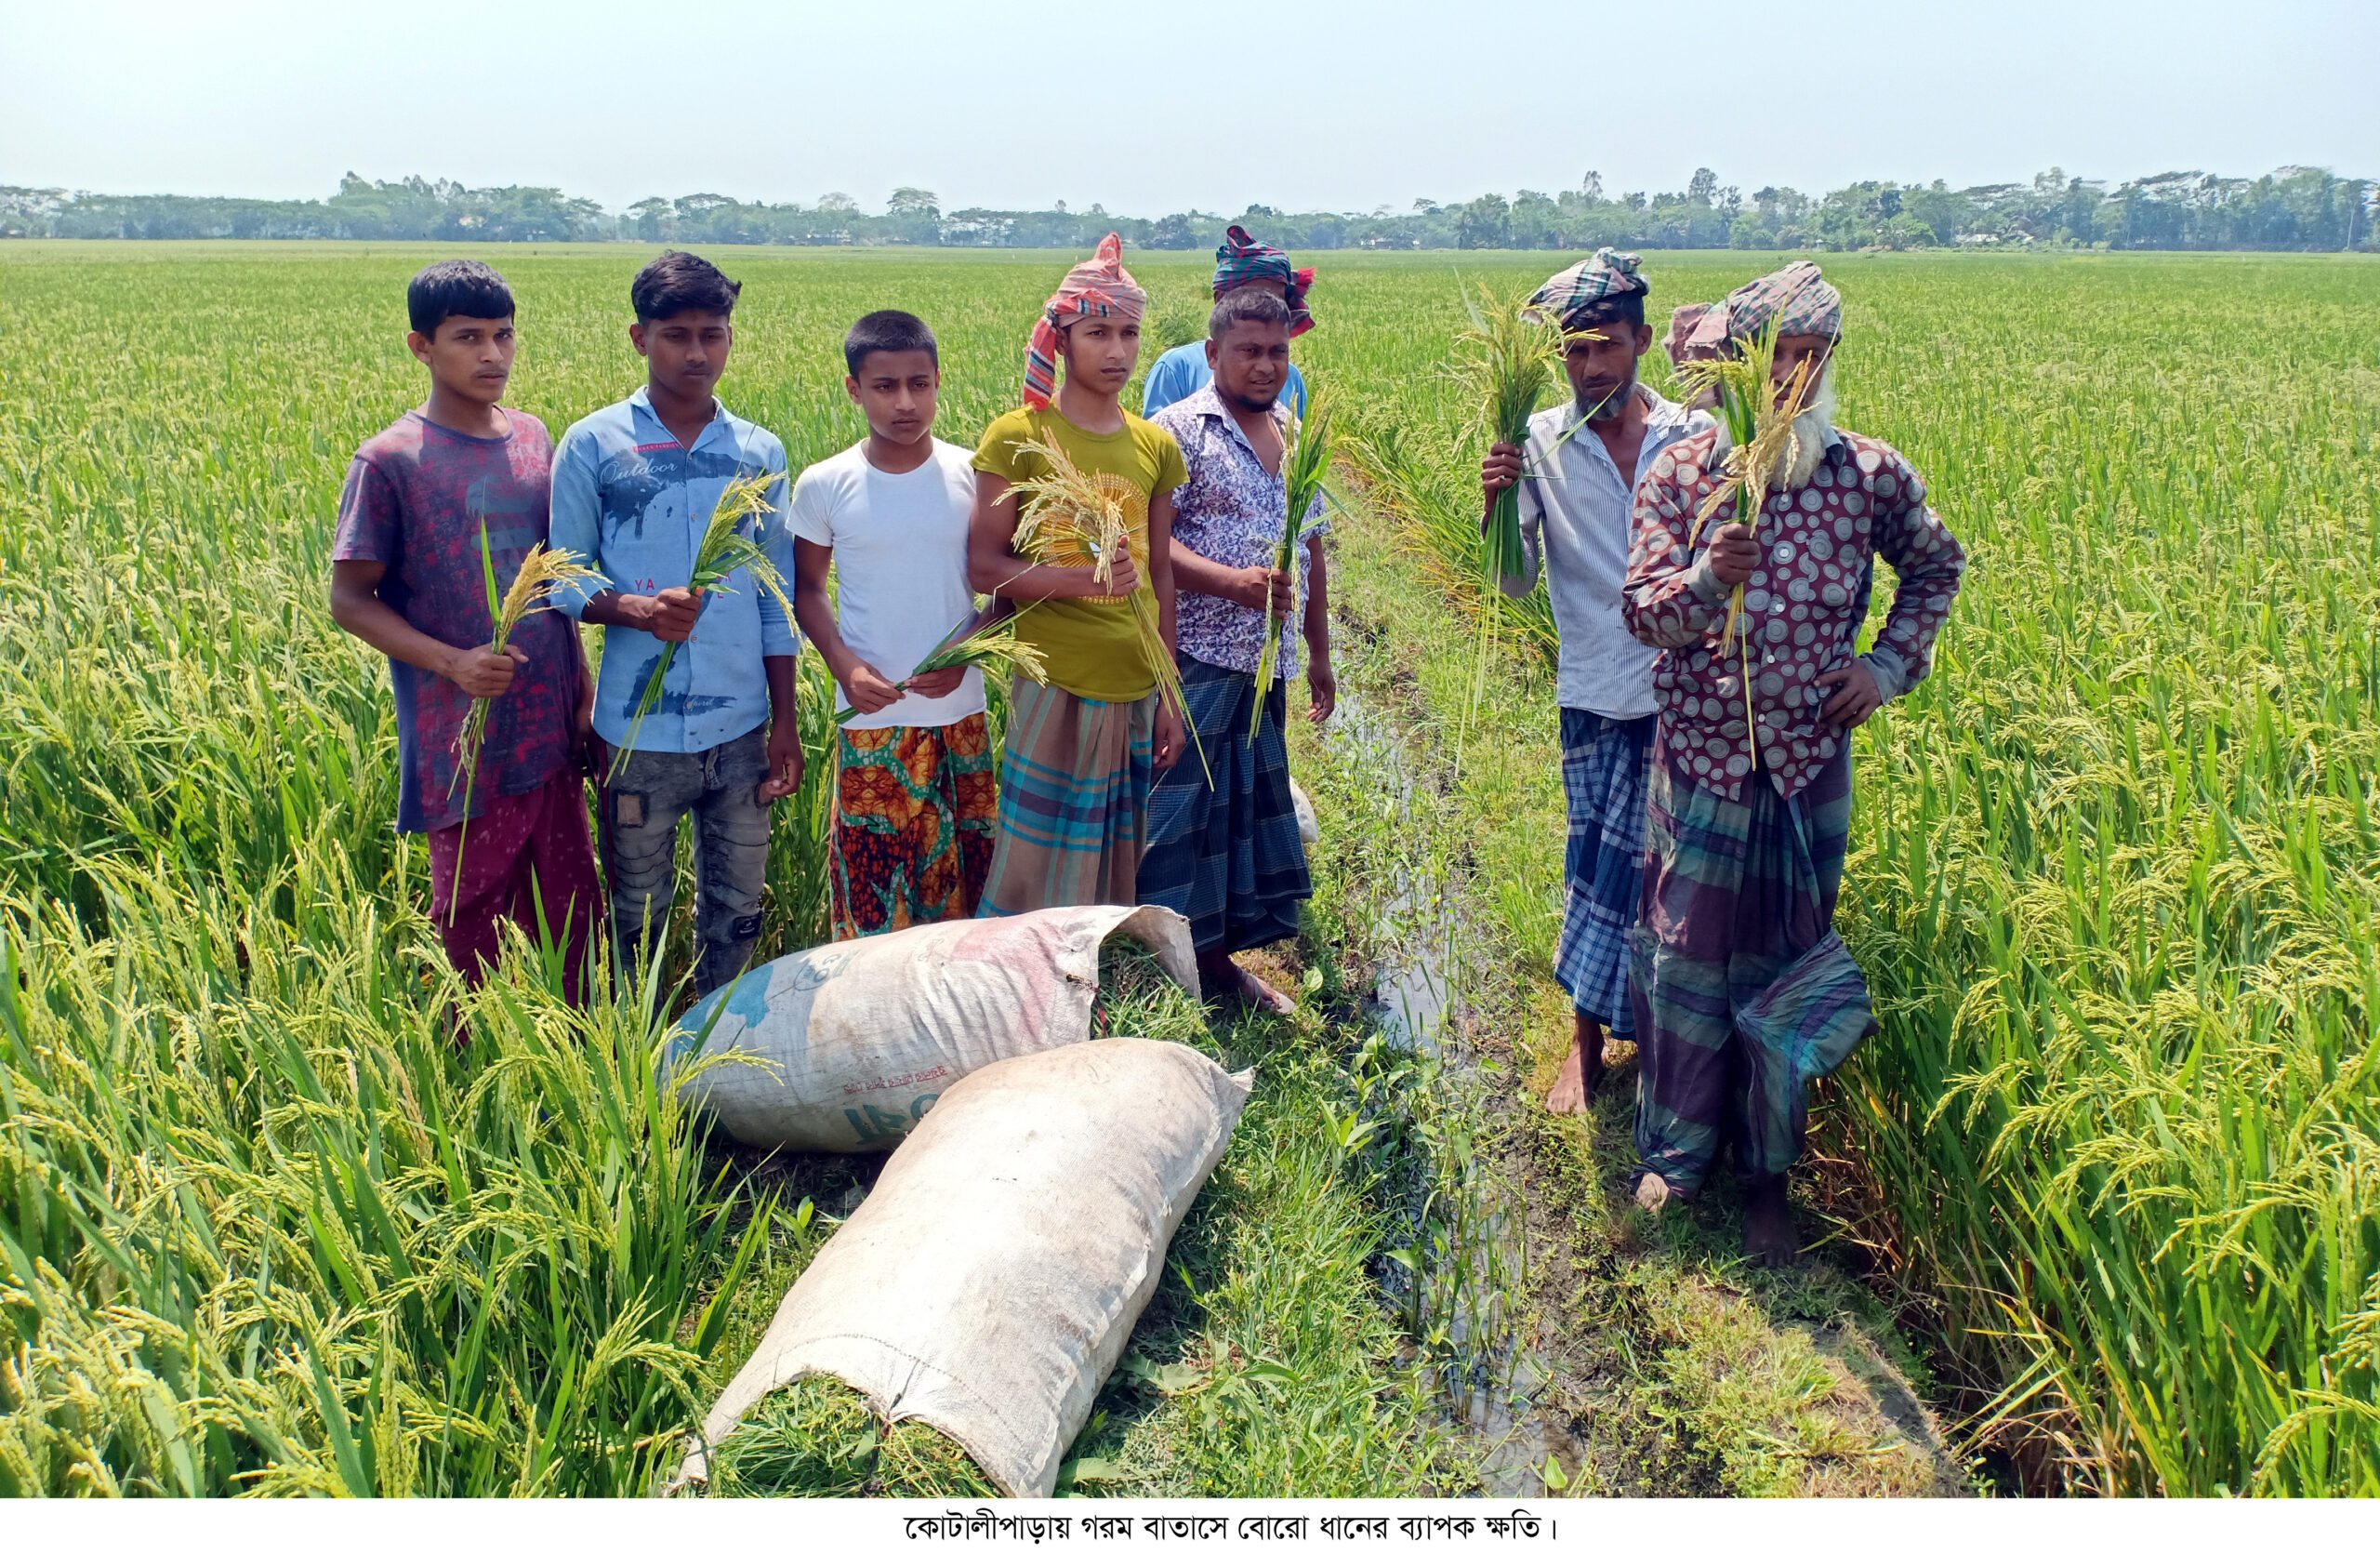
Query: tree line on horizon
2306 209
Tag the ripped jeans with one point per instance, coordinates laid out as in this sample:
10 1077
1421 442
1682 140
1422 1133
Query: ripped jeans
640 811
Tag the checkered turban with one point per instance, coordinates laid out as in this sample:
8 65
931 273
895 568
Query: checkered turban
1794 299
1609 274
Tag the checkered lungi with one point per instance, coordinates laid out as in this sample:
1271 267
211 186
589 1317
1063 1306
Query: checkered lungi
1604 766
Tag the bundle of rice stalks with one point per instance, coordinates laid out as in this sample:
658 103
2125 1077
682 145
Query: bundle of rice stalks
1070 518
985 640
726 545
542 571
1303 464
1758 414
818 1438
1417 472
1507 360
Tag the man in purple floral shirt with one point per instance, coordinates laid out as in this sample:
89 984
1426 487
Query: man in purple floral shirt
1742 992
1222 846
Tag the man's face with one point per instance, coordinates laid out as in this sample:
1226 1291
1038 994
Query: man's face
895 389
686 353
1602 365
1101 353
471 357
1251 364
1804 354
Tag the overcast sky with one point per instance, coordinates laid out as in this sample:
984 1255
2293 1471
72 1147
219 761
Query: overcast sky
1300 104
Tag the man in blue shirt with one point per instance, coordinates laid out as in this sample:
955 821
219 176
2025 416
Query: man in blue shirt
634 486
1240 262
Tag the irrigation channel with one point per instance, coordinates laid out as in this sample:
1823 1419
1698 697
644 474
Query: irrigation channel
1494 1384
1580 1346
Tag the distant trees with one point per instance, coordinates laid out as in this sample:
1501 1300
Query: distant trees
2289 208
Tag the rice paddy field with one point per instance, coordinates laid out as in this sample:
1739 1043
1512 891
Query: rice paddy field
2105 1191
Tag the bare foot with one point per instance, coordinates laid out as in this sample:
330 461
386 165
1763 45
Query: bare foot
1574 1087
1227 978
1769 1239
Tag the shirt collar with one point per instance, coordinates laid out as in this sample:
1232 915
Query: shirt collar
721 418
1660 414
1208 402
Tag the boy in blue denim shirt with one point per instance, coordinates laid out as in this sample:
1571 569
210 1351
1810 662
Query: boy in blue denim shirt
634 486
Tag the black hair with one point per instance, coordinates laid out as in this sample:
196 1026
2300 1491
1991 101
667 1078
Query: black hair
679 282
1625 307
1245 305
888 329
456 288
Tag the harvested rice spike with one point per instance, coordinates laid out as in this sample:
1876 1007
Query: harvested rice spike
1506 362
1758 413
819 1438
725 546
542 571
1303 464
985 640
1070 518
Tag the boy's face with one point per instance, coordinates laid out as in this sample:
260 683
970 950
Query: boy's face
1101 353
468 357
686 353
896 391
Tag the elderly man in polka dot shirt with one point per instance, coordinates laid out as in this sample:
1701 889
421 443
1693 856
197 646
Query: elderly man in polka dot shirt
1742 992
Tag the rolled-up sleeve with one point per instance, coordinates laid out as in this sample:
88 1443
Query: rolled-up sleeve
575 520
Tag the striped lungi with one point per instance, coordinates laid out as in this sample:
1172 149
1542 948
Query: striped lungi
1224 848
1074 795
1742 991
1604 761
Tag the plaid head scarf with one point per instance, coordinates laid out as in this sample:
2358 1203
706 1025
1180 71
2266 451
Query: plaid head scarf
1794 299
1241 259
1099 288
1609 274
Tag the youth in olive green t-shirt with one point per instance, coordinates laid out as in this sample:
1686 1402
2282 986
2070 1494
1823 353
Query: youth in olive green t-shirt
1090 646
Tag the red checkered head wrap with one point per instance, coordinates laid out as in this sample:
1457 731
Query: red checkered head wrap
1099 288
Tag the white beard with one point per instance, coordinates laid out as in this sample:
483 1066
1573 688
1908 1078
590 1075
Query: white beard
1799 459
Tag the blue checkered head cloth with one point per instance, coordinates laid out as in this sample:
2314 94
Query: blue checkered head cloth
1608 273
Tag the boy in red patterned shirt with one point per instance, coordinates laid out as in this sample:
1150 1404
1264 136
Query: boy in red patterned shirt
406 576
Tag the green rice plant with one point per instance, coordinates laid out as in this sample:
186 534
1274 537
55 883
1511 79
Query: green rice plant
1305 464
726 547
541 571
985 640
1414 471
1505 362
270 1228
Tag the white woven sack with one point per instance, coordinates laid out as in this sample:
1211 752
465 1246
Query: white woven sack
860 1037
989 1283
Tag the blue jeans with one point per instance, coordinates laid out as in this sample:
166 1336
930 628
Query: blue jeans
642 807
